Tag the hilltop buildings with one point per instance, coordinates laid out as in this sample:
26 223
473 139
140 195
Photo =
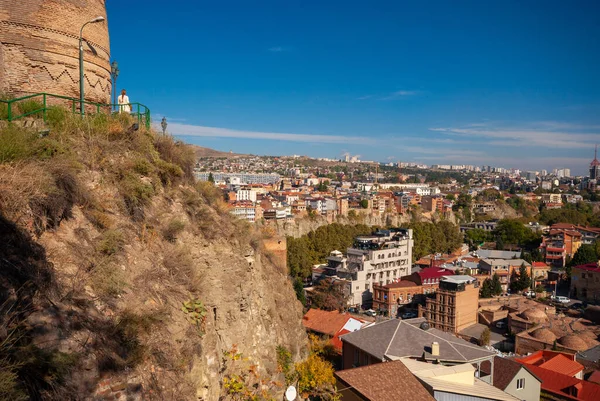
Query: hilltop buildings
377 259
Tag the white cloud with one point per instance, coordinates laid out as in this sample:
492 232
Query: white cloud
529 136
201 131
399 94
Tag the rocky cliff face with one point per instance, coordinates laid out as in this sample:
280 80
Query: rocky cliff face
303 226
105 242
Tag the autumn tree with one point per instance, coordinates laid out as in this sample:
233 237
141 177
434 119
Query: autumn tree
484 339
330 295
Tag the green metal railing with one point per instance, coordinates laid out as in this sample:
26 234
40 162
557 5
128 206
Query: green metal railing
138 110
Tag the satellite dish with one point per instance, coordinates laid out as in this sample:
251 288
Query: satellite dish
291 393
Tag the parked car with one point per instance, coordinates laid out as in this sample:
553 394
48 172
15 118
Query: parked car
409 315
529 294
561 299
353 310
501 324
370 312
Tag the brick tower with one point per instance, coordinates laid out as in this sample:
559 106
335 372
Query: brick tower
39 51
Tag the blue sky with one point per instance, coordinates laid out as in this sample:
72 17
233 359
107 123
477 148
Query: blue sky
503 83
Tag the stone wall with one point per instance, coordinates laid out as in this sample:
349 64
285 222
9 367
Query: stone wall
39 48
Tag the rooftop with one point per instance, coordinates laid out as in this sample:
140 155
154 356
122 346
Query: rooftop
326 322
458 379
384 382
504 371
394 339
591 267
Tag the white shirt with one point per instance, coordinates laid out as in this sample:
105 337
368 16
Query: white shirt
124 105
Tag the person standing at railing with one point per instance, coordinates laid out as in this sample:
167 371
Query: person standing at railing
124 105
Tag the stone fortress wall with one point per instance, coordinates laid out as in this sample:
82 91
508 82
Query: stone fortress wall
39 48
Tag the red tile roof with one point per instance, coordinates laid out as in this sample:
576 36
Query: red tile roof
540 357
591 267
562 364
336 341
562 385
401 284
325 322
434 272
595 377
539 264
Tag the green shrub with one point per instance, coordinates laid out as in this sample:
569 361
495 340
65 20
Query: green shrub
142 166
168 172
107 279
135 191
176 152
56 116
172 229
28 106
47 148
15 143
112 242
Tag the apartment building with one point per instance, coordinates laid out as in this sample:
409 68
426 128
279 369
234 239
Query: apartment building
560 244
379 258
247 210
432 204
454 306
585 282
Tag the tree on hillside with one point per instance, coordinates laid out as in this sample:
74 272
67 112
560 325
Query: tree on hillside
299 289
585 254
477 236
520 281
496 286
330 295
211 178
364 203
484 339
486 289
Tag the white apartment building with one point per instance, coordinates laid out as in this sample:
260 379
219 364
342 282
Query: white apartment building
375 259
246 195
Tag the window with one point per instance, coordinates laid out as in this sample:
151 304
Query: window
520 384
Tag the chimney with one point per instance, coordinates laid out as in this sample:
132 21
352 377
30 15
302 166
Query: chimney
435 349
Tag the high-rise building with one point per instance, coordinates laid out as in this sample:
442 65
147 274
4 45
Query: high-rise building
595 166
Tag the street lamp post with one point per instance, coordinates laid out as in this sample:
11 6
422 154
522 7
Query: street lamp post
163 124
81 89
114 72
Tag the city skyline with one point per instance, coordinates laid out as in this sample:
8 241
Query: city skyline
510 84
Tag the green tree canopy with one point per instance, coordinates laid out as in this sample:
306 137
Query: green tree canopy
585 254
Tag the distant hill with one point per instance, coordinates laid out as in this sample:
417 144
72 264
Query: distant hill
207 152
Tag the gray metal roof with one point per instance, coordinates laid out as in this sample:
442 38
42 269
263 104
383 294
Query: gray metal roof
396 338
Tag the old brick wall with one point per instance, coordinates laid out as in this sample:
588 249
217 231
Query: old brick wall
39 48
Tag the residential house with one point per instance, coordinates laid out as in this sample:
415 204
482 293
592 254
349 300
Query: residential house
458 382
454 306
412 338
332 324
381 382
515 379
558 373
585 282
559 245
504 268
539 273
391 297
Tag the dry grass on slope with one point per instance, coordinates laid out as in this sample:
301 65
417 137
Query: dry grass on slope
109 205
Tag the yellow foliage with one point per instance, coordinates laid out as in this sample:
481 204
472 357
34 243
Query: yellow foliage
315 377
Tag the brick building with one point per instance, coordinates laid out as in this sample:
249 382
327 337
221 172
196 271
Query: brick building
559 245
454 306
39 48
585 282
391 297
